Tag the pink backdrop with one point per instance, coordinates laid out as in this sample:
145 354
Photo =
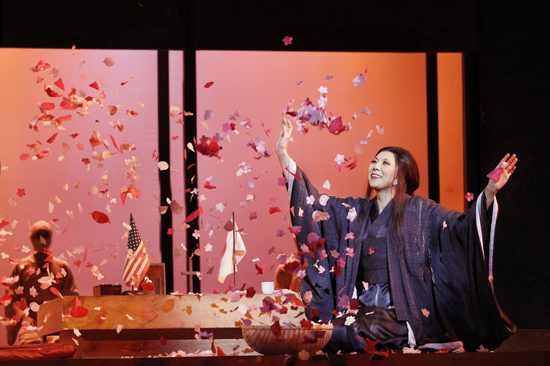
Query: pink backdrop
259 85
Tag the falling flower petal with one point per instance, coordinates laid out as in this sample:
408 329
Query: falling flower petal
111 110
51 139
56 292
336 126
282 181
163 165
100 217
59 84
78 311
208 114
40 66
208 146
287 40
495 174
260 270
193 215
46 107
208 84
352 214
109 61
359 80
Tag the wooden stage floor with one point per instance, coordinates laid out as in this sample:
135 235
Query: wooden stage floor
528 347
462 359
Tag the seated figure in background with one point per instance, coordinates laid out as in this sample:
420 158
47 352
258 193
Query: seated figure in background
38 278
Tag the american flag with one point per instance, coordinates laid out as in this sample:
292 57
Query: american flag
137 260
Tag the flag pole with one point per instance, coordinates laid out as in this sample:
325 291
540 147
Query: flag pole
134 288
234 259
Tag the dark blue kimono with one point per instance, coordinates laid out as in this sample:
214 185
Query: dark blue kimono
438 271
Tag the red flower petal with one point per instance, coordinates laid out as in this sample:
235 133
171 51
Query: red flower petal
5 300
59 84
207 185
336 126
40 66
147 287
60 120
51 93
100 217
46 107
276 329
79 312
52 139
56 292
192 216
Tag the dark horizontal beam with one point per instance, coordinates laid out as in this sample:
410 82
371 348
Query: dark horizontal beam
315 25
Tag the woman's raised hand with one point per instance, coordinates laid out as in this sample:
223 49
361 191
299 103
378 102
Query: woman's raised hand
282 143
508 166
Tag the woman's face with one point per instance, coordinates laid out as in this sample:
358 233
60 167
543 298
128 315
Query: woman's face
382 171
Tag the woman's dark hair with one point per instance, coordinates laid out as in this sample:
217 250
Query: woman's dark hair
408 180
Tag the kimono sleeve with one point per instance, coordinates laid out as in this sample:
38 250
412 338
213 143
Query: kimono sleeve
463 294
328 236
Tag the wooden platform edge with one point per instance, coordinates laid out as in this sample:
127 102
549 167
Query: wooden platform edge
471 359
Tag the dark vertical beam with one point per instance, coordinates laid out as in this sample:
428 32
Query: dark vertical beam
190 129
433 126
472 138
164 155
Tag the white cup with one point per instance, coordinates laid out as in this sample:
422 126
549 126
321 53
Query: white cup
268 288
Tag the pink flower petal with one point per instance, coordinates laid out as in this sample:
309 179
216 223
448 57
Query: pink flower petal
495 174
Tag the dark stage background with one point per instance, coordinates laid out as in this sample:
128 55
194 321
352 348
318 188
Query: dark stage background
506 83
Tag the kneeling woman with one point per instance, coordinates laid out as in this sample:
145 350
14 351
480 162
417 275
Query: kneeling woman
420 273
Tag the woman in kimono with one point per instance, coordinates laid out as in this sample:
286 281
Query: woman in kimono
394 268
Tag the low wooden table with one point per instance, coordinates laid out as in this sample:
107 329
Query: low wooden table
149 325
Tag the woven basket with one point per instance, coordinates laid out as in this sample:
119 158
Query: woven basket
293 339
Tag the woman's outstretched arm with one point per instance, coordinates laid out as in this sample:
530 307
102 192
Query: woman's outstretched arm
508 166
282 146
